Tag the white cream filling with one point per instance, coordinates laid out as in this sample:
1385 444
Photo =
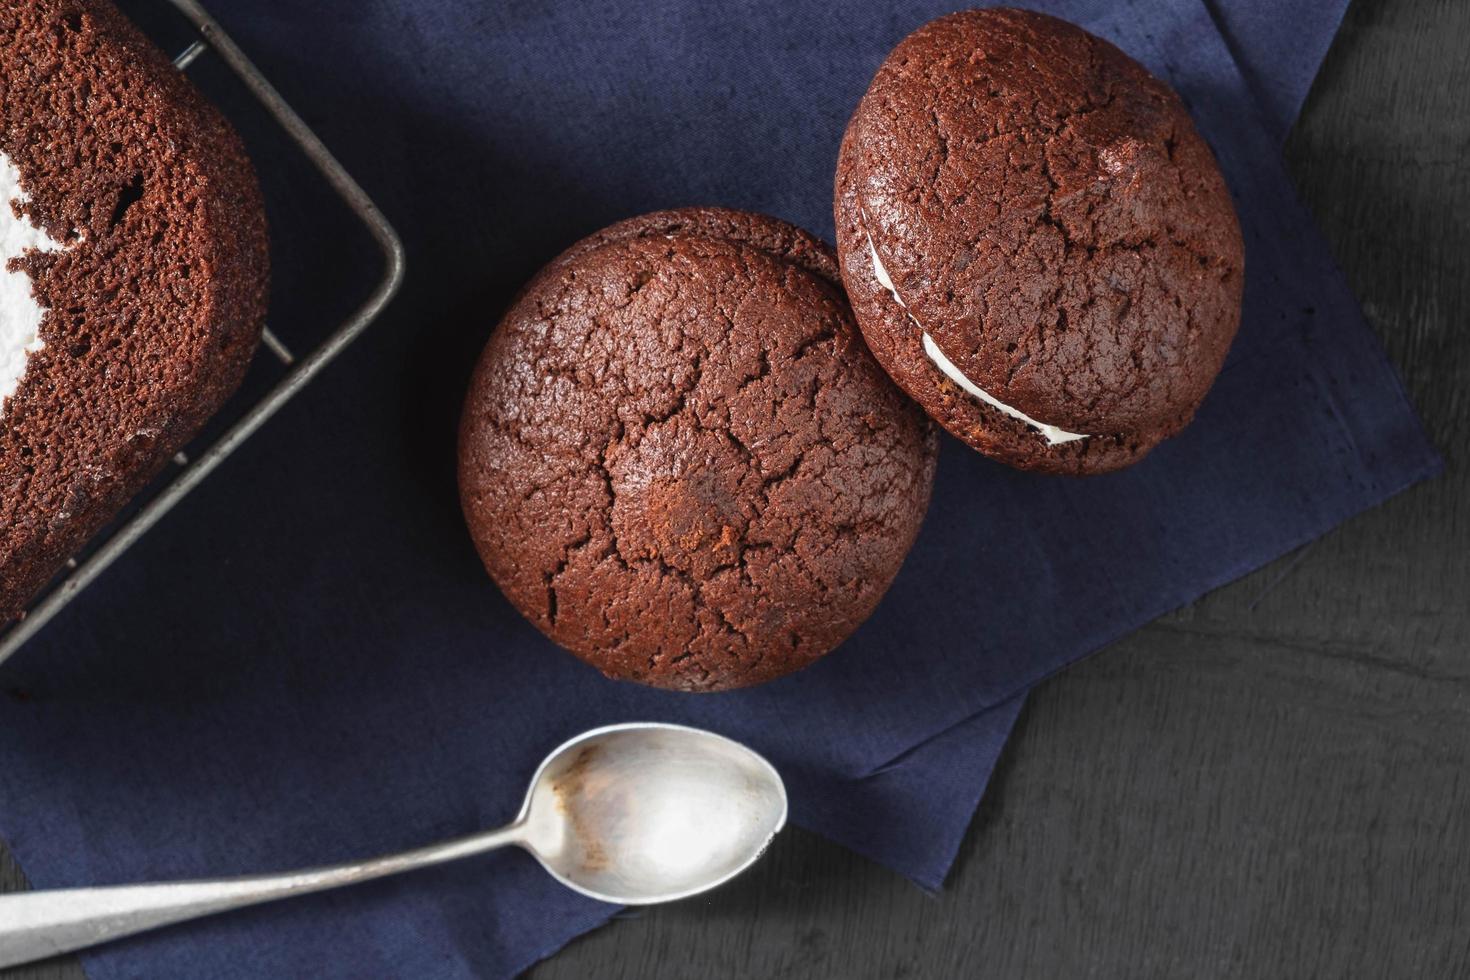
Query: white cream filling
20 313
1053 435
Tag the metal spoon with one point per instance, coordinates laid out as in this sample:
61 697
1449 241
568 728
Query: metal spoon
631 814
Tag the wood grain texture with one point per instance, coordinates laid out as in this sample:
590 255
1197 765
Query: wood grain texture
1274 782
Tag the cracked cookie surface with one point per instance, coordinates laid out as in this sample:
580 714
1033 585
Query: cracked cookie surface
1043 208
679 460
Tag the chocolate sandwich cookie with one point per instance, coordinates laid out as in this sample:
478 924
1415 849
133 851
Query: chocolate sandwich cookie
133 280
1037 244
678 459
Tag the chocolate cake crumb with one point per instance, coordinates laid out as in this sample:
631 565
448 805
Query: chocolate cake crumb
155 296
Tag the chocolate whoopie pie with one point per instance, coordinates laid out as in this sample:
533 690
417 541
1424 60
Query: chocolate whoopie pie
134 275
1037 244
680 462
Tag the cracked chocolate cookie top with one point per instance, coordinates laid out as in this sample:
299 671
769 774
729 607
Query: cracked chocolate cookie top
679 460
1037 243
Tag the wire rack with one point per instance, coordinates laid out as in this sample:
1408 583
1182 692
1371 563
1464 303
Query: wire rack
188 473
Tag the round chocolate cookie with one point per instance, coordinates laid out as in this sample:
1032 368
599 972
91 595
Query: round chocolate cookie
679 460
1037 243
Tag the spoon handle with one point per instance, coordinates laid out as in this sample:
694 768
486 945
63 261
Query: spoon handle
37 925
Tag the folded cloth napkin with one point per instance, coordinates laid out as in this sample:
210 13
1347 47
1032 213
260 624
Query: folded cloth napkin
1277 50
305 663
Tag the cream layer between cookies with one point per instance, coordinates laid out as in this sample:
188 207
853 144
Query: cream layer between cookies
1053 435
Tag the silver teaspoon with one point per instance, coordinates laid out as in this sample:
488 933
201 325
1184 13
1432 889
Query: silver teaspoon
632 814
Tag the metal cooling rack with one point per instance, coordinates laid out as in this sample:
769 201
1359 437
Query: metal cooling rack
301 370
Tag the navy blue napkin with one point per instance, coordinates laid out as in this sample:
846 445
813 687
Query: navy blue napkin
1278 50
305 662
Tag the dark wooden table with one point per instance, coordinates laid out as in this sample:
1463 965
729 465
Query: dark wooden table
1274 782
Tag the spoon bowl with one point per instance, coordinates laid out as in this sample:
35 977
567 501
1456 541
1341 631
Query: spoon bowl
637 814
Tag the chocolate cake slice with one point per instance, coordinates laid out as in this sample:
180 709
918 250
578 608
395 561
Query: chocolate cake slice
134 279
